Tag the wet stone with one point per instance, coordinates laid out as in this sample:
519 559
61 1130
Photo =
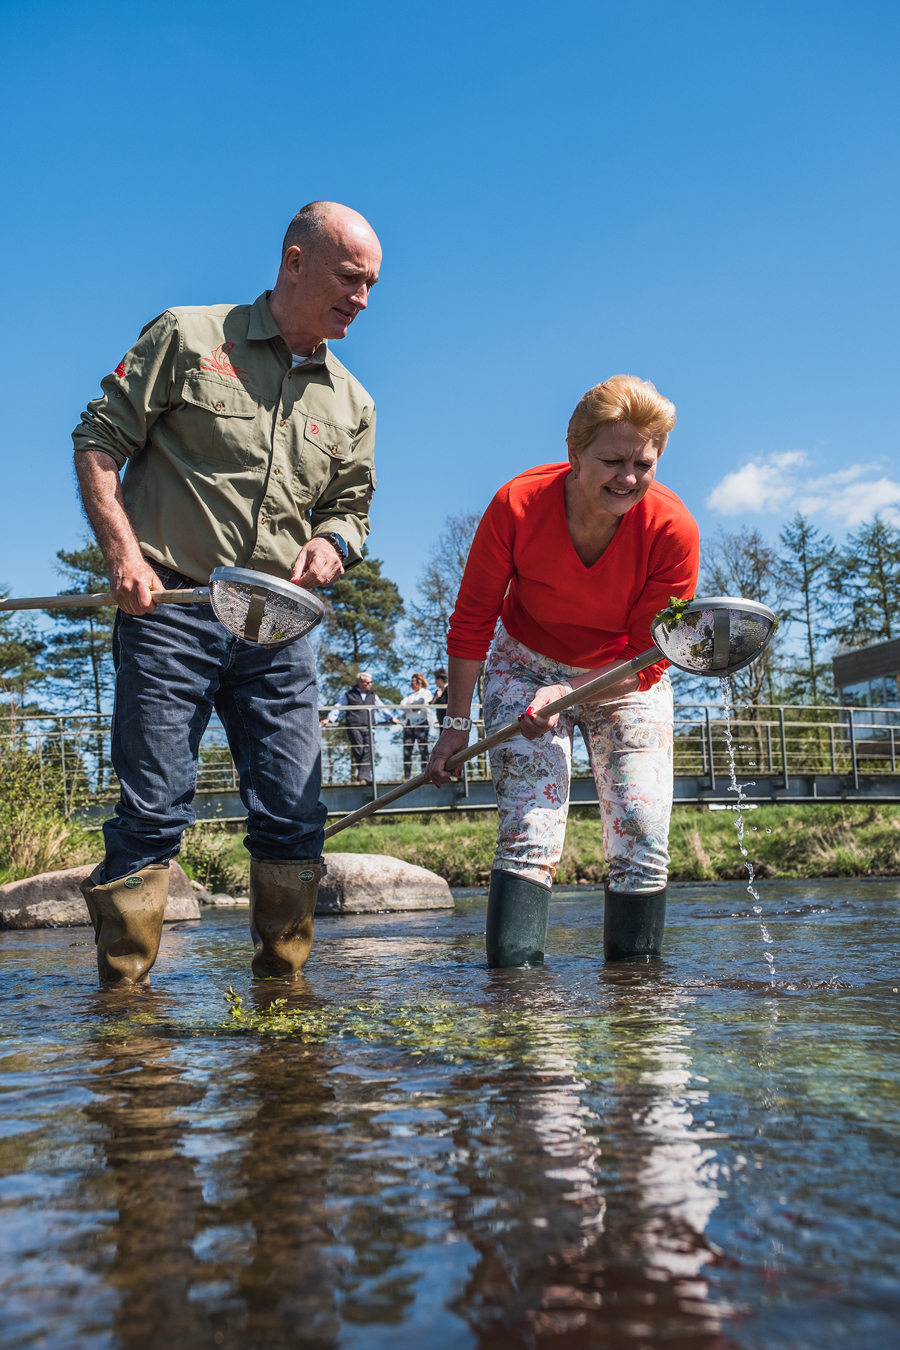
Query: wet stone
53 899
372 883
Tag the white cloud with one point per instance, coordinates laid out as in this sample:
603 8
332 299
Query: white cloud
782 483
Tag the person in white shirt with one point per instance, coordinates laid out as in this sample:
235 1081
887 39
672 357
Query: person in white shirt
418 720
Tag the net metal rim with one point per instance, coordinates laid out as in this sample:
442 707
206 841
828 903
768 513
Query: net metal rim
245 576
260 584
659 628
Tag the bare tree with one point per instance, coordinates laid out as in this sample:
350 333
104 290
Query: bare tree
744 564
438 586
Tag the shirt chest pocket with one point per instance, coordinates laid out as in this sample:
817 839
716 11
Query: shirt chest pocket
325 450
217 423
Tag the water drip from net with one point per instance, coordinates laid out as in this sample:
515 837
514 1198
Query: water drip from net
738 789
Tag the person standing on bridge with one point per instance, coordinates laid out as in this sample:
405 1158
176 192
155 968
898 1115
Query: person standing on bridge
575 560
358 722
247 444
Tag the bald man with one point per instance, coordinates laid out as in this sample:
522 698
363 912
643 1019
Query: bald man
245 443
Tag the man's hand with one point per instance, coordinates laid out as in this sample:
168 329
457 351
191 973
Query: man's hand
449 742
318 563
132 584
131 578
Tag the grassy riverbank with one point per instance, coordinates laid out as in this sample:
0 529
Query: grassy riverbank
785 841
804 841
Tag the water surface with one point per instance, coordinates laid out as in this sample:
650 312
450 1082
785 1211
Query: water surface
673 1154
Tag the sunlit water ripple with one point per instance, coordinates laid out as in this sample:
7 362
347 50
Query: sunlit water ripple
411 1150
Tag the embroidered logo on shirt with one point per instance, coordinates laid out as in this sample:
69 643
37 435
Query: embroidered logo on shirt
222 366
120 370
313 428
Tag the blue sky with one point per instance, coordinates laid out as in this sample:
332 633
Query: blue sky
703 194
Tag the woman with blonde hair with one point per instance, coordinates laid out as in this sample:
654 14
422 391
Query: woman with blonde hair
575 559
416 722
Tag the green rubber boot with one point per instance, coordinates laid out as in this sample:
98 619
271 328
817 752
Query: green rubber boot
518 911
282 905
127 915
633 924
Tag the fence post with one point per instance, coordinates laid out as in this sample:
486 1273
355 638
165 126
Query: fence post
831 744
709 743
62 762
853 760
893 751
784 763
370 715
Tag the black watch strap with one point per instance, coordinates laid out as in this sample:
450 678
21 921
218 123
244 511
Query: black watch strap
338 543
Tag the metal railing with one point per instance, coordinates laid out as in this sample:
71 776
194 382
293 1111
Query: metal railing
68 754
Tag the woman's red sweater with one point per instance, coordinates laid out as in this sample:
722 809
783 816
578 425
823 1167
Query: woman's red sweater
524 569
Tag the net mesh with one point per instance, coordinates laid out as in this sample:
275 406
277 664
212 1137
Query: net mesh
689 643
284 618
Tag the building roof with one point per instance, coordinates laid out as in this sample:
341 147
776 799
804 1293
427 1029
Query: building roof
867 663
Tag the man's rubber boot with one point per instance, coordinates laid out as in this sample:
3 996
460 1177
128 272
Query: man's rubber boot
517 915
282 905
633 924
127 915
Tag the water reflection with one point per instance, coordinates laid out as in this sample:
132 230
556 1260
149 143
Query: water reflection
140 1097
556 1168
586 1204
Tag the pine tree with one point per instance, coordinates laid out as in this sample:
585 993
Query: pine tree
360 630
866 581
806 571
81 664
21 668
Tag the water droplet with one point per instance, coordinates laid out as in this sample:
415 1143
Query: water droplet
768 831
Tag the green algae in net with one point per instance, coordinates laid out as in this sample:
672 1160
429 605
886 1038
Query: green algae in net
675 612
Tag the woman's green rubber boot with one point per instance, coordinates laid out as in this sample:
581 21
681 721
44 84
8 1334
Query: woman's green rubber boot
518 911
633 924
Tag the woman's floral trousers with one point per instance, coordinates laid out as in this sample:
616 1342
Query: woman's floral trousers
629 741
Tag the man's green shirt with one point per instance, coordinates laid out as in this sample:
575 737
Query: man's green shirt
234 457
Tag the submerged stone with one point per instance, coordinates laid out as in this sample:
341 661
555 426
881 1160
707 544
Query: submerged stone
373 883
53 900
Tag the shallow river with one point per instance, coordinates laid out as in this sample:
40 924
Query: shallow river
674 1153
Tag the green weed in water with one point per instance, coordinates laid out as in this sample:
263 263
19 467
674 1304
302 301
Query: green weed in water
455 1034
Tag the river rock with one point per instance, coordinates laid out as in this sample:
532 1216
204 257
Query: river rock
373 883
53 900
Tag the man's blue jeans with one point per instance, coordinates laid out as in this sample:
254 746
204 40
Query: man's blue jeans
173 668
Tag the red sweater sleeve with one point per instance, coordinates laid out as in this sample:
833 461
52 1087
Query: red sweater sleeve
674 564
489 570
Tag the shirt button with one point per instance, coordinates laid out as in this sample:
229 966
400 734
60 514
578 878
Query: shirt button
263 519
277 470
219 407
283 422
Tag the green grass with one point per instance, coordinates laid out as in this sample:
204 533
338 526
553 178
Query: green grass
785 841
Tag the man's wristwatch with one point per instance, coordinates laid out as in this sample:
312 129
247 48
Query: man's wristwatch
338 543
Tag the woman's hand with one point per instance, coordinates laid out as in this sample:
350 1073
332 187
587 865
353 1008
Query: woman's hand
531 725
448 743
